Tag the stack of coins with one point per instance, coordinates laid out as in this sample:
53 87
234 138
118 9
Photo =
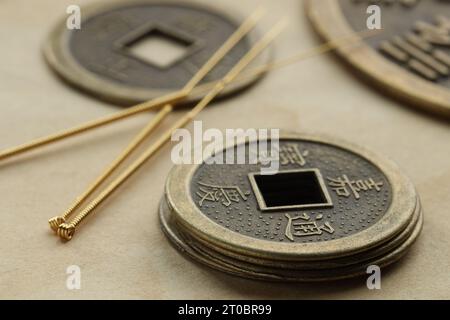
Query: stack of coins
328 211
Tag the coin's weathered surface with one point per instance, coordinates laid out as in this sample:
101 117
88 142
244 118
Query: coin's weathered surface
331 209
103 59
327 197
410 57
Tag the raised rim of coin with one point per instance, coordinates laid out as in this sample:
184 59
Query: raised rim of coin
340 262
399 214
225 264
60 59
330 23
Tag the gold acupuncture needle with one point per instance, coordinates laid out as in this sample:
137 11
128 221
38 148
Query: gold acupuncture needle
170 98
140 138
55 222
67 230
303 55
328 46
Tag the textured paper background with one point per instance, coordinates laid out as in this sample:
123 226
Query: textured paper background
121 251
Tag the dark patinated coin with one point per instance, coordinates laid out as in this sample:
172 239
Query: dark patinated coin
133 51
409 58
331 210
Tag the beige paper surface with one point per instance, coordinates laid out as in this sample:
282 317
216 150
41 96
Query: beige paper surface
121 251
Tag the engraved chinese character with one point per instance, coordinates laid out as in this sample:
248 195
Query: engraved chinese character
438 33
345 187
226 195
419 50
291 154
301 226
288 154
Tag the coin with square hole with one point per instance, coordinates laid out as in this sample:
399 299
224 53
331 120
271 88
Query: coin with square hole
328 199
132 51
410 56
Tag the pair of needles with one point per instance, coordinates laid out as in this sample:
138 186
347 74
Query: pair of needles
66 229
177 96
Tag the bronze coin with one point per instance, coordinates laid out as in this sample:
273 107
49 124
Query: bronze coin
358 201
330 209
115 57
408 58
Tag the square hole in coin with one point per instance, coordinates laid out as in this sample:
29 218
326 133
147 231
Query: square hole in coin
292 189
159 48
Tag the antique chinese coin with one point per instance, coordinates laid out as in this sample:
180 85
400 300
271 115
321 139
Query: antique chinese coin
408 58
329 211
132 51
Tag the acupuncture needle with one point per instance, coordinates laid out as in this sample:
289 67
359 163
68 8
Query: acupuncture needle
67 230
354 37
170 98
231 42
174 97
